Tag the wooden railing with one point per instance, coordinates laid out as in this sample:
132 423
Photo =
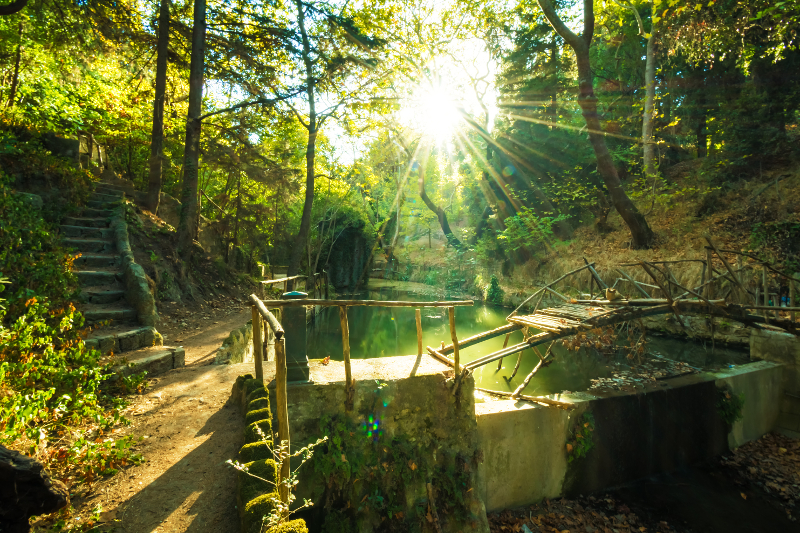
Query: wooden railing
261 313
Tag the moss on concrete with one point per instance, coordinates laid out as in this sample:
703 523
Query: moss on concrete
252 394
258 403
252 384
255 451
293 526
256 509
251 435
256 415
250 487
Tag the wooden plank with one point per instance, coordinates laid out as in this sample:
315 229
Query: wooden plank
418 317
266 315
537 399
281 280
451 312
480 337
440 356
348 374
635 284
258 351
283 416
595 275
368 303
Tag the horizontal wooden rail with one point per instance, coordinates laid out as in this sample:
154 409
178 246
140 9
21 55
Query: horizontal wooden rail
281 280
368 303
480 337
267 316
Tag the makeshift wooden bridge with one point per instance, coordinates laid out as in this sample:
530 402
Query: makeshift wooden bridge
573 316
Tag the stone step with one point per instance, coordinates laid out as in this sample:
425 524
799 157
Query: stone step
91 245
102 296
115 313
154 361
107 196
86 222
87 232
96 278
98 213
102 204
97 260
121 339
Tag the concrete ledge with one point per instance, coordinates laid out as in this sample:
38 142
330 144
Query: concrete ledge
635 436
156 363
127 341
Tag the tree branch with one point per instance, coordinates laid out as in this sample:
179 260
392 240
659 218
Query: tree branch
558 24
262 101
14 7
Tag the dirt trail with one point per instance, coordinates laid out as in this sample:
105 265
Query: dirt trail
190 431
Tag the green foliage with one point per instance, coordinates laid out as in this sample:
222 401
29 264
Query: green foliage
494 293
729 405
379 476
582 438
528 229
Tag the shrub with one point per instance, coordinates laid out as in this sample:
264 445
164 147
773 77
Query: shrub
494 293
256 509
255 451
294 526
251 433
249 483
257 414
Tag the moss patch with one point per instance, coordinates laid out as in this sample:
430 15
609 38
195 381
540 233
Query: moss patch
251 435
294 526
251 384
256 415
255 451
258 403
256 393
255 510
250 487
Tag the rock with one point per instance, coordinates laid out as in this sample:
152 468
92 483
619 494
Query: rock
26 489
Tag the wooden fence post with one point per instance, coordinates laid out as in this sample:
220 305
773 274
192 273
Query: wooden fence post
418 317
709 263
451 311
765 283
348 375
283 414
258 351
792 315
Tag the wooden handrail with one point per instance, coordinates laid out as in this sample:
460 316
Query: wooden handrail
281 280
267 316
368 303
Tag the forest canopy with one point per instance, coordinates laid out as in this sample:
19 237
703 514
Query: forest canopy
496 128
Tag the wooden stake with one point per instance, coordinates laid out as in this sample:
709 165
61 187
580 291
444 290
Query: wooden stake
451 311
519 358
739 268
505 343
283 414
792 315
635 284
765 284
258 351
710 286
418 316
348 375
727 265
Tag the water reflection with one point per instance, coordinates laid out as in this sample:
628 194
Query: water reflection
390 331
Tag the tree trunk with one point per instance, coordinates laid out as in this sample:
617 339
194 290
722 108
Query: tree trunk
649 151
14 7
157 139
642 235
191 157
438 211
15 79
311 146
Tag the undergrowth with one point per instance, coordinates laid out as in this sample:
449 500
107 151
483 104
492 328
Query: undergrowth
58 401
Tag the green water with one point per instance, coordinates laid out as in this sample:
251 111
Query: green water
391 331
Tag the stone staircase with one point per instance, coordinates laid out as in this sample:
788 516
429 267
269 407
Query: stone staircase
114 292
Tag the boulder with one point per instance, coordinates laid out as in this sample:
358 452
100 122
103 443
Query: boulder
26 489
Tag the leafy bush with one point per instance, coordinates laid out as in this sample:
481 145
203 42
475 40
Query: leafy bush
582 438
55 395
729 405
528 229
494 293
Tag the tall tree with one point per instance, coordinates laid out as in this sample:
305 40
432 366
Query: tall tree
187 227
157 139
642 235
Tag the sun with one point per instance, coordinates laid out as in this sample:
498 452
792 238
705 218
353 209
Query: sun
433 112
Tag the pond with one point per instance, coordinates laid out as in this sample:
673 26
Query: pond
391 331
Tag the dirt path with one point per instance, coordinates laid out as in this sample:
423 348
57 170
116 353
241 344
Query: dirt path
189 432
